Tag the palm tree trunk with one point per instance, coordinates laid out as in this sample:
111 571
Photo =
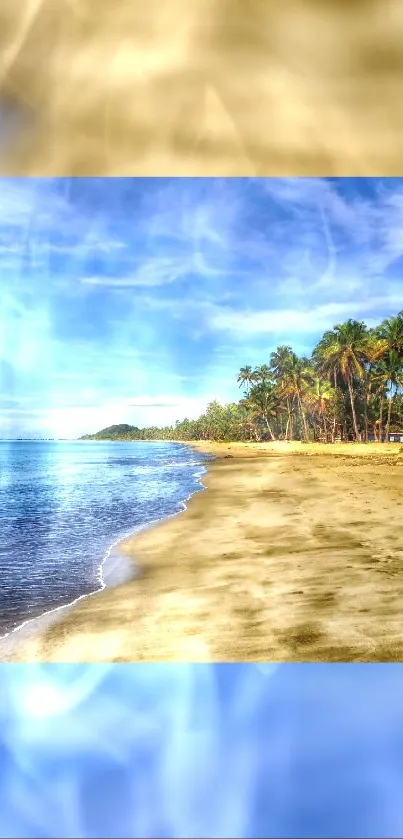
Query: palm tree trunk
289 430
335 418
291 421
382 401
325 428
350 390
272 437
391 397
366 417
303 418
257 435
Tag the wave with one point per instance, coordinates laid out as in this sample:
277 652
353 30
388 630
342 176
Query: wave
39 622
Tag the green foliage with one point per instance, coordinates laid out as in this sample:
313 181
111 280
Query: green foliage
115 432
350 388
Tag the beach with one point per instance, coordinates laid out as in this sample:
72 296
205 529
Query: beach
292 553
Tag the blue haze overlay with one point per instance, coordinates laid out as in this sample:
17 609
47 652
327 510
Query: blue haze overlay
62 505
184 750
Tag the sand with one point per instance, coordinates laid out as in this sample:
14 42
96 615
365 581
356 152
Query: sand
293 553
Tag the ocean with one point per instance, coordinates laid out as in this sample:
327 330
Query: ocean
64 506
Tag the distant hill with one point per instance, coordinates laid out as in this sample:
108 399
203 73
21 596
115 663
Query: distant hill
115 432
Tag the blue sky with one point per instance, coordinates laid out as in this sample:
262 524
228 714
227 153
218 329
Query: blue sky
138 300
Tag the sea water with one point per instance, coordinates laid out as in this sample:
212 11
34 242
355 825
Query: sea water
64 506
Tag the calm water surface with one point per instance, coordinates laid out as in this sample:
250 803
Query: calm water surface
62 505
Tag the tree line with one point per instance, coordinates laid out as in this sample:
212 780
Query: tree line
350 388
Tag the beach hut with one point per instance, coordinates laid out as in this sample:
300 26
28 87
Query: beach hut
396 437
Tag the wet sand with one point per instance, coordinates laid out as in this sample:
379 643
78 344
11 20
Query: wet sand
293 553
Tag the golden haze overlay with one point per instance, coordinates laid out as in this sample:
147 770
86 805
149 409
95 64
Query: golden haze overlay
293 553
207 87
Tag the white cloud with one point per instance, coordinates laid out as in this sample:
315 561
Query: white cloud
292 322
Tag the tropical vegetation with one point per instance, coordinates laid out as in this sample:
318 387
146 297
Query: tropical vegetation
350 388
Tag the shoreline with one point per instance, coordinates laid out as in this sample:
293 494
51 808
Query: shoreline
195 598
30 628
10 641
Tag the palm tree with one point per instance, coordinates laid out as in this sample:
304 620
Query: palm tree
326 365
393 373
296 378
344 350
390 334
245 377
375 351
281 363
262 402
262 374
318 397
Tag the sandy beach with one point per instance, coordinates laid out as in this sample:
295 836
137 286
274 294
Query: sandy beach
293 553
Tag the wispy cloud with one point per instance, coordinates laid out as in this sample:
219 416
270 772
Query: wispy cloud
152 272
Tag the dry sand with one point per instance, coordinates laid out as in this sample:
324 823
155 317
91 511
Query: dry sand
294 553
